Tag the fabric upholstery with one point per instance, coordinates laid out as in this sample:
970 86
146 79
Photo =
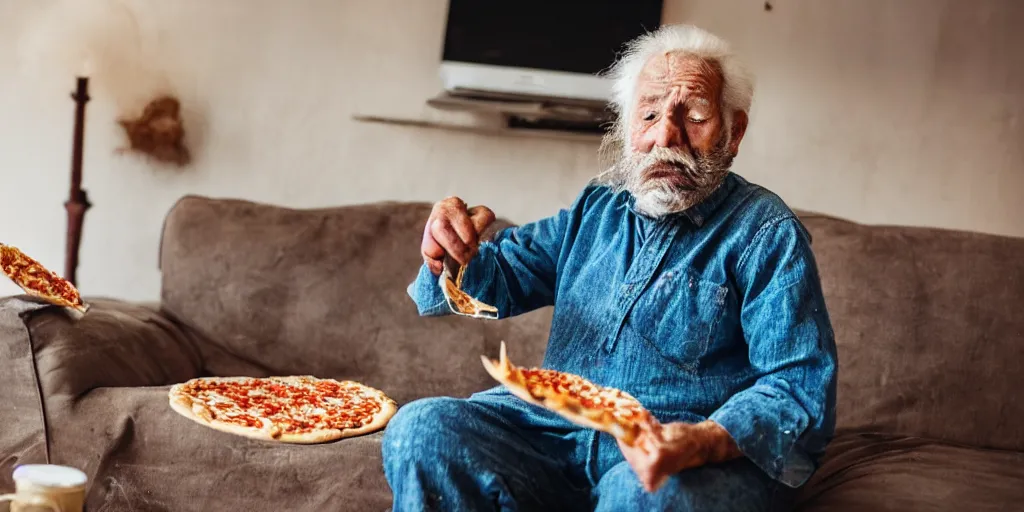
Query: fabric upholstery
141 455
22 422
320 292
114 345
116 349
929 329
898 474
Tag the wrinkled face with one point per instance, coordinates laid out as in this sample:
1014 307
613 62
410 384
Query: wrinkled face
681 143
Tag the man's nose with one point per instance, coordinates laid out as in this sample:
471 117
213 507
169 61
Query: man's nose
670 132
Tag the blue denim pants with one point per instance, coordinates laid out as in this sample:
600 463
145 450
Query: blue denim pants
493 451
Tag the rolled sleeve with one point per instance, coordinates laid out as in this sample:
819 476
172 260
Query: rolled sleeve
481 280
427 295
784 421
766 427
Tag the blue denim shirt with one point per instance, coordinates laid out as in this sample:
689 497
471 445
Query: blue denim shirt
716 312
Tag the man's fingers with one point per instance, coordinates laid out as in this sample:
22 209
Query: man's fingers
464 228
647 460
447 238
432 252
655 482
429 247
482 218
435 266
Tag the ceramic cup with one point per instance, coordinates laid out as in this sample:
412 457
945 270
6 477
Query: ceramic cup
47 487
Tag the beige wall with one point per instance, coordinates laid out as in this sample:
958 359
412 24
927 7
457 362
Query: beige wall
904 111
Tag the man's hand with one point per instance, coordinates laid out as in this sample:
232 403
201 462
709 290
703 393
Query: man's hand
670 448
453 229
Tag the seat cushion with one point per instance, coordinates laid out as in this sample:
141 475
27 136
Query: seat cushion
888 473
141 455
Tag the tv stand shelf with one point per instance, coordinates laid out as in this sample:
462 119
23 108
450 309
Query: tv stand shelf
481 130
489 113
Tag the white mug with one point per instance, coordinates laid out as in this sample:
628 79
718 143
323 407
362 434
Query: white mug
49 487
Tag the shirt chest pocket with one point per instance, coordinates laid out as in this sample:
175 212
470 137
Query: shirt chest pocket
679 315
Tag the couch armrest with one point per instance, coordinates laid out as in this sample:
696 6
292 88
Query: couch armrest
115 344
22 438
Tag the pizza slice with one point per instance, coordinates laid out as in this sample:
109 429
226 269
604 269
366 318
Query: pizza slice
37 281
460 301
575 398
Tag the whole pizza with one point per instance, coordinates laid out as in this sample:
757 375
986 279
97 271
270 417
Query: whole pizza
575 398
295 409
38 281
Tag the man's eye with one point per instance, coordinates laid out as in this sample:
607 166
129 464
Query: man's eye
650 116
696 120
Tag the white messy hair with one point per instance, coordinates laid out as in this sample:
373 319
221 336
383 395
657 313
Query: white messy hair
738 86
738 83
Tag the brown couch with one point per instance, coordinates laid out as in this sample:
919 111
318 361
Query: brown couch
929 325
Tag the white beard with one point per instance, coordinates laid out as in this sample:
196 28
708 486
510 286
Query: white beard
659 200
659 197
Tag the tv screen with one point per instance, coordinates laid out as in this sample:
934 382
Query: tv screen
554 35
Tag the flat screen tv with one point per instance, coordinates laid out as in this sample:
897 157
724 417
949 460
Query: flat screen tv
544 48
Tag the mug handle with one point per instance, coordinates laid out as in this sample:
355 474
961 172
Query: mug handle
34 501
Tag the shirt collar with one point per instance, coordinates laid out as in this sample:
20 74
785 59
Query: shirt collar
699 213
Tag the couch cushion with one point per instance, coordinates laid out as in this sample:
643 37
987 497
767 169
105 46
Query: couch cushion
141 455
929 328
323 292
890 473
115 344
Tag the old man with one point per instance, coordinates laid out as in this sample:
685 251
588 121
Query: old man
671 278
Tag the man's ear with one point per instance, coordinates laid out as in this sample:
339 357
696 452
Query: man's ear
739 127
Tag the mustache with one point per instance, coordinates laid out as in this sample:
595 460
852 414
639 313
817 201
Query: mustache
674 157
676 170
655 162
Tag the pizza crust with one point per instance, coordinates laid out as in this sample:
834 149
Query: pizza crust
183 404
567 406
79 309
197 412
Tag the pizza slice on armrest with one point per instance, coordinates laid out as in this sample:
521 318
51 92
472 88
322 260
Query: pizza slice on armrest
37 281
578 400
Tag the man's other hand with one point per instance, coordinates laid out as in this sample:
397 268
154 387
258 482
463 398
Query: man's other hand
667 449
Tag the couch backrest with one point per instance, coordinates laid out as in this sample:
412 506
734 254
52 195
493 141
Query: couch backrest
930 329
323 292
929 323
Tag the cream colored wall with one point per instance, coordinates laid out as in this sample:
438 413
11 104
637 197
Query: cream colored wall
897 112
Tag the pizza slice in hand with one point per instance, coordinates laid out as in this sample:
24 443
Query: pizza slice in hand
459 301
37 281
578 400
